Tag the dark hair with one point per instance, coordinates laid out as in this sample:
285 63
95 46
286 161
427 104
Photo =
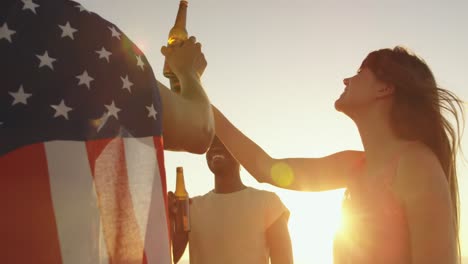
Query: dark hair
421 110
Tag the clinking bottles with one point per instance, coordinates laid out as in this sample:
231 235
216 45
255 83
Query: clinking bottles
182 220
177 33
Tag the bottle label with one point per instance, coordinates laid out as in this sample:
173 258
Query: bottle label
186 223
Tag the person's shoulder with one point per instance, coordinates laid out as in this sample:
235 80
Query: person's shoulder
419 169
268 197
271 205
417 158
201 198
259 192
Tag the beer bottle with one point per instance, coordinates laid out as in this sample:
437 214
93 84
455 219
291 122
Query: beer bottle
177 34
182 220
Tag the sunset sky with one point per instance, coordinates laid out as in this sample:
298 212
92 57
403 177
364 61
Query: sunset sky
275 69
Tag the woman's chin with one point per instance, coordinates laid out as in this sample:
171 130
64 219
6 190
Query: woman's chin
339 104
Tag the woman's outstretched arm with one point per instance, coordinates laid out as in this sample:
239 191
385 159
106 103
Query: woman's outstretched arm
303 174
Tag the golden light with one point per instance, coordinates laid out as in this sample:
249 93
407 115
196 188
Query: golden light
314 220
171 40
282 174
313 223
142 45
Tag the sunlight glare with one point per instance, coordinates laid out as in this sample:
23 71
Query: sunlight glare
314 220
282 174
141 44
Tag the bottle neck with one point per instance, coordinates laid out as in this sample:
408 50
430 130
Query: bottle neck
181 19
180 190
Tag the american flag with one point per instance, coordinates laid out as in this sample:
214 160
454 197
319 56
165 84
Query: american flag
81 151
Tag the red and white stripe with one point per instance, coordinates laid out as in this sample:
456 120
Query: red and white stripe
100 201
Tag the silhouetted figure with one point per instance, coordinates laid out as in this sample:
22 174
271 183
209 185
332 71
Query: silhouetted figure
234 223
401 201
82 123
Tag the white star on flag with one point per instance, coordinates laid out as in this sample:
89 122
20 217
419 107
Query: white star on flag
20 97
104 54
126 83
5 32
101 121
115 33
67 30
140 62
46 60
29 4
112 110
85 79
151 111
66 113
61 109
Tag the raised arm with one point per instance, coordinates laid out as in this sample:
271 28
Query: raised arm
304 174
187 118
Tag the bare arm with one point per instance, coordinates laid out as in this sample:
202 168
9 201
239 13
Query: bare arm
422 187
279 241
308 174
187 118
187 122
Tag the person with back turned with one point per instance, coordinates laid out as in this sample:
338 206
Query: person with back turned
83 128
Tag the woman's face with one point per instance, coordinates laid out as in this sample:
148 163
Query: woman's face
361 91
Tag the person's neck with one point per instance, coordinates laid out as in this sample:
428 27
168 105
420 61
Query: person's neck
379 141
228 182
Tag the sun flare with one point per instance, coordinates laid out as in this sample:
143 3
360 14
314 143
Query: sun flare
314 220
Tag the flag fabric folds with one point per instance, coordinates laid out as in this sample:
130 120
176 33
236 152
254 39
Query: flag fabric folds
81 148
